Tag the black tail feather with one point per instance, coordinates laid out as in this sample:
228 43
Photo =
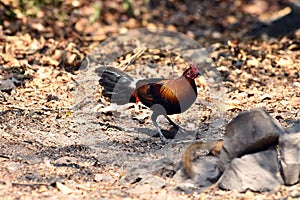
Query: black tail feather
118 86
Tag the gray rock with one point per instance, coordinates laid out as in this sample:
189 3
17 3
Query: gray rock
290 157
205 170
256 172
206 173
251 131
7 84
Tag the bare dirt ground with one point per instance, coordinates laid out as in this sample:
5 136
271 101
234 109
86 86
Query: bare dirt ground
50 150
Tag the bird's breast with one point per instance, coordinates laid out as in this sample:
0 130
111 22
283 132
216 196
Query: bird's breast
184 95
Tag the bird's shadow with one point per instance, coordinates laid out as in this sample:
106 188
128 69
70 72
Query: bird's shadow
172 133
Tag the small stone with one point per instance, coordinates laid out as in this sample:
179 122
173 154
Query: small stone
186 187
253 62
63 188
7 84
66 161
106 177
13 166
42 188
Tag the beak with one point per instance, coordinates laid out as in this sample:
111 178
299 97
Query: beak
198 73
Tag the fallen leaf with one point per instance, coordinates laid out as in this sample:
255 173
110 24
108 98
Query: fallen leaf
295 101
253 62
284 62
265 97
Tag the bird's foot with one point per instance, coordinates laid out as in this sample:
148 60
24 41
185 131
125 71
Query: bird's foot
163 139
174 135
176 127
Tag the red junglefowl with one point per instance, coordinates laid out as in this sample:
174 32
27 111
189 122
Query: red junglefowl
162 96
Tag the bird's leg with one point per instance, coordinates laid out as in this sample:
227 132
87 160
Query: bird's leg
162 137
178 128
171 122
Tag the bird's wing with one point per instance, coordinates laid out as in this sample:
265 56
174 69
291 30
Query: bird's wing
163 92
155 92
143 91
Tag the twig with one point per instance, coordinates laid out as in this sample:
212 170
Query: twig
2 95
189 141
4 156
41 108
80 101
30 184
133 58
